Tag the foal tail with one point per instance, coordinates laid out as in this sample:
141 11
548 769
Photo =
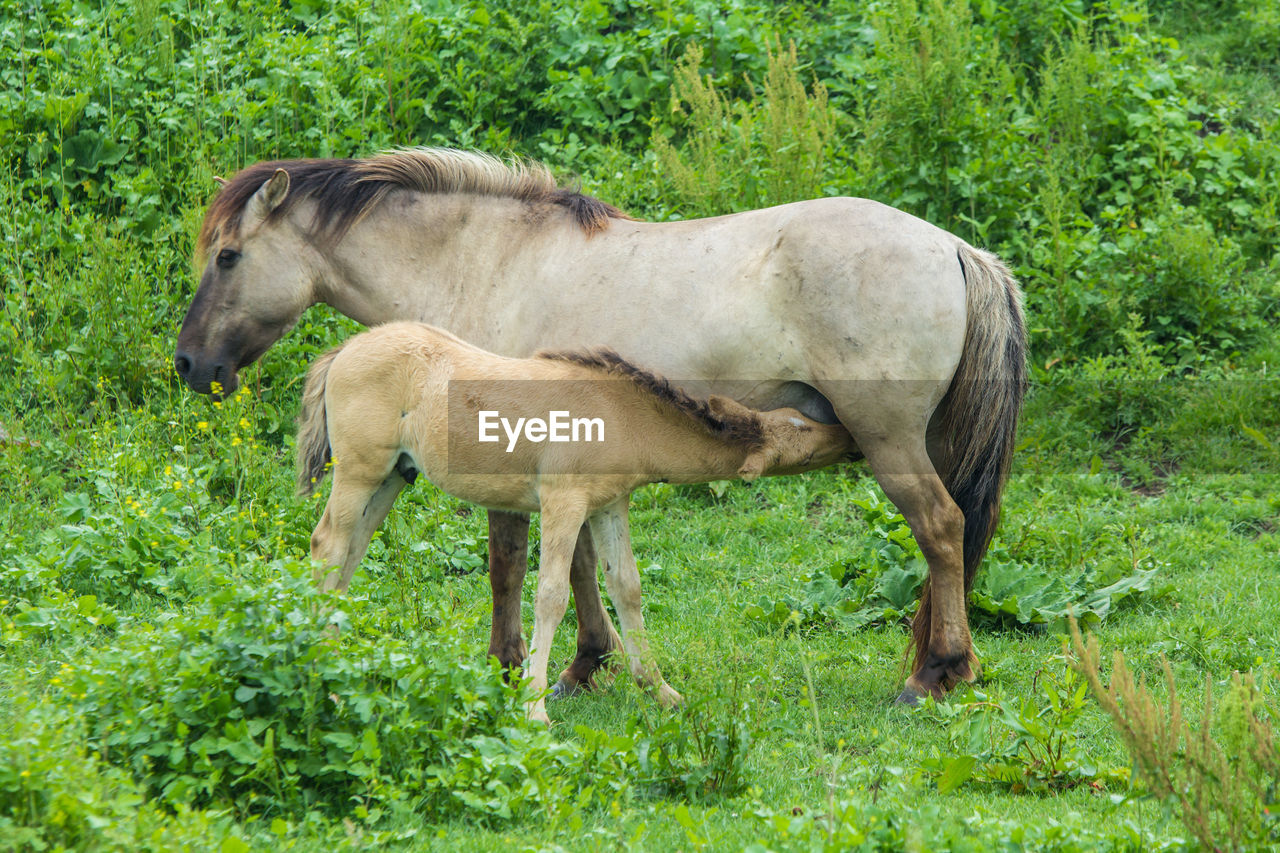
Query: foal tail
979 414
313 427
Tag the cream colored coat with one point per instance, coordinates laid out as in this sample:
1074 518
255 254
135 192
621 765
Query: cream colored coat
405 399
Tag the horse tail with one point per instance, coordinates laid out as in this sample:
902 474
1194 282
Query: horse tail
313 426
979 414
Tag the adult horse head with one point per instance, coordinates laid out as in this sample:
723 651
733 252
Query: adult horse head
269 240
260 274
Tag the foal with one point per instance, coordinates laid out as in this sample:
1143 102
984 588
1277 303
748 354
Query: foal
405 399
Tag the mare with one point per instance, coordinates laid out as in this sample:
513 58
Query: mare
845 309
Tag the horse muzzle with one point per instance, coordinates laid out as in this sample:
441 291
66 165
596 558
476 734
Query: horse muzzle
200 377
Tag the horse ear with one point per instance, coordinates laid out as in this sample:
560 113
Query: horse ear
266 199
726 407
220 181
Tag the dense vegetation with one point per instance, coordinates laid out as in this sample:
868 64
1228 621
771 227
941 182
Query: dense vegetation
167 679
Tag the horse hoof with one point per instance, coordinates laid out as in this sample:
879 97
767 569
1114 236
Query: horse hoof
561 690
668 698
909 697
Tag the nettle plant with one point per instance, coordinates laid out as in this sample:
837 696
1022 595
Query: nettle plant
265 697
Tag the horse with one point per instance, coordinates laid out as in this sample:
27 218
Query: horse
845 309
408 399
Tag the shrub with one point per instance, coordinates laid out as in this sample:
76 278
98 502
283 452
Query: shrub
248 700
738 155
57 794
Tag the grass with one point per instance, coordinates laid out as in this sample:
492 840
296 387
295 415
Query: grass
706 557
128 504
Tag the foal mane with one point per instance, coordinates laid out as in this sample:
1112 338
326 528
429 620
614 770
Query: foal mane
344 191
739 429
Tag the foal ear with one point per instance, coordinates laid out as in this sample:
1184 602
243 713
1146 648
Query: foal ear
726 407
266 199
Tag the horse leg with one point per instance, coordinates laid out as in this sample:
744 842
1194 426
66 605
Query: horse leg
597 639
612 533
562 518
943 647
357 506
508 562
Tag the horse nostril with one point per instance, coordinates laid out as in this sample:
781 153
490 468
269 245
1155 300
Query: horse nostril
182 364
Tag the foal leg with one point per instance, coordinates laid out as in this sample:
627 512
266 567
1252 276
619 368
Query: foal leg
562 517
943 647
357 506
597 639
612 534
508 562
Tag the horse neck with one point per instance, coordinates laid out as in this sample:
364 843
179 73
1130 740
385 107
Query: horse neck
415 256
677 447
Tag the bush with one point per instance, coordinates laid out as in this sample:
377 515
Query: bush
249 700
56 794
739 155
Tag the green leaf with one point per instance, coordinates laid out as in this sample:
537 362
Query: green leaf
955 772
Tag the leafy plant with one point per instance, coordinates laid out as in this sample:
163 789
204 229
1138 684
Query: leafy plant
250 700
879 586
1031 746
883 584
55 793
697 753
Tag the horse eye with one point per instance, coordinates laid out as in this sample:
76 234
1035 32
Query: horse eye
227 258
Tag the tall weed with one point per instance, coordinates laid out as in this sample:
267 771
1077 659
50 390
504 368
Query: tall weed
738 155
1223 776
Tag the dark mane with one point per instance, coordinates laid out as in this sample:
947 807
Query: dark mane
744 430
346 190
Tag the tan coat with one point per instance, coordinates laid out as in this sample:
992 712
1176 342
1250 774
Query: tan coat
406 399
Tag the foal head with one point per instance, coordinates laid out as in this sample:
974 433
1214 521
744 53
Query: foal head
790 442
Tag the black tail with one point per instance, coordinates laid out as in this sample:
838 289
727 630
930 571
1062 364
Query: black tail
979 414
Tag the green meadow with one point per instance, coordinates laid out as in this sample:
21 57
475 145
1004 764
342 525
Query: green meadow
170 678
